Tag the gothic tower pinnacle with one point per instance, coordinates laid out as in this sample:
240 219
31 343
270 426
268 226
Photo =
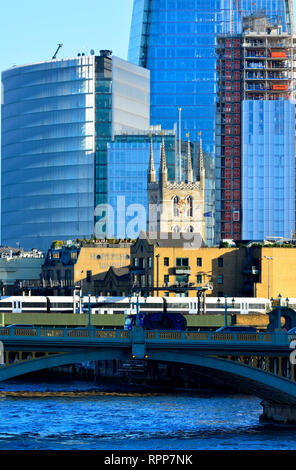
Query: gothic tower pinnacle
151 169
163 171
189 171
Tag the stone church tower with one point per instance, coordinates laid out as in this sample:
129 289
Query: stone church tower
175 206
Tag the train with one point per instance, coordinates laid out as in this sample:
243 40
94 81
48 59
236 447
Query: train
127 305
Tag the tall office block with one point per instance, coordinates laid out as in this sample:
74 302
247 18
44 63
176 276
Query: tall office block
176 41
255 133
268 169
122 103
57 117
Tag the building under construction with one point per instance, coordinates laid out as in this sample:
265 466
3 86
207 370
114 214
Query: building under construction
255 132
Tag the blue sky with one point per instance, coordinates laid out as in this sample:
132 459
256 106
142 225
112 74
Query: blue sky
31 29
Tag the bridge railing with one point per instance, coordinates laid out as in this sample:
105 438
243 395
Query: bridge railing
209 336
86 333
72 333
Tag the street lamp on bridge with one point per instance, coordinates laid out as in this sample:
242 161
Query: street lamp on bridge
137 305
278 303
225 307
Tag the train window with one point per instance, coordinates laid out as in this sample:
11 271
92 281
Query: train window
34 304
258 306
61 305
177 306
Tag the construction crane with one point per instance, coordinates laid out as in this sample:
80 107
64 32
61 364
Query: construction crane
55 54
238 7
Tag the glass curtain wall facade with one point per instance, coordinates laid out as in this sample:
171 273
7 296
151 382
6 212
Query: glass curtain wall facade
57 119
268 161
122 100
47 152
128 159
176 41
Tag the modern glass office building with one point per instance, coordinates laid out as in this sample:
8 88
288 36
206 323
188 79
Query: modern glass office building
57 117
122 103
128 157
47 152
268 162
176 40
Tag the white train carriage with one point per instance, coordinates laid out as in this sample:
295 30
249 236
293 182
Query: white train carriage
185 305
127 305
238 305
36 304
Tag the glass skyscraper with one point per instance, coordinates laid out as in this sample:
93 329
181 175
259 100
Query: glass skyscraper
176 40
57 118
128 156
47 162
268 163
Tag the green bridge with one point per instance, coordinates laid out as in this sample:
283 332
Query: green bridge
256 363
117 320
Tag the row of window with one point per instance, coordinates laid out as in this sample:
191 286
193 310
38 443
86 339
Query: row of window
180 262
52 275
185 262
185 278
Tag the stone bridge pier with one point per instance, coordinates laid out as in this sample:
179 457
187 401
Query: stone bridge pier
278 413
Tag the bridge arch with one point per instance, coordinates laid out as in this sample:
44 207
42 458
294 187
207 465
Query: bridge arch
260 383
62 359
244 378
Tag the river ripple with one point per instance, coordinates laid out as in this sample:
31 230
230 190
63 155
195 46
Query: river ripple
133 421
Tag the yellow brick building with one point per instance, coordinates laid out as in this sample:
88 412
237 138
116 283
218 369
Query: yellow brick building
68 266
276 273
169 265
166 264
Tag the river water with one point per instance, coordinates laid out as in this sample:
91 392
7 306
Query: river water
106 421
